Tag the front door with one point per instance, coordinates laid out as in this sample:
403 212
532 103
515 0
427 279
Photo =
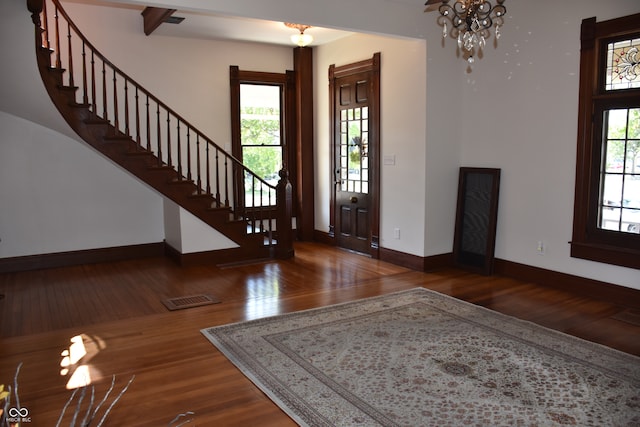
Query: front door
355 146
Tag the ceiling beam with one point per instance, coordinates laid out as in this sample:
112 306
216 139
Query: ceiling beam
154 16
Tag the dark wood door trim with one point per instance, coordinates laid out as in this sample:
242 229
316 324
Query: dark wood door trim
304 179
372 66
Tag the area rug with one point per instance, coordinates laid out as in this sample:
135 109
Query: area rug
420 358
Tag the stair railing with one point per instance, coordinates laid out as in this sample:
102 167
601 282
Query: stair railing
114 97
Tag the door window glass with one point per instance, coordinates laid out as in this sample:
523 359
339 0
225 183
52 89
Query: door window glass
354 145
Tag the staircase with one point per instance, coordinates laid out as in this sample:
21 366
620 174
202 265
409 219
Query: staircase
129 125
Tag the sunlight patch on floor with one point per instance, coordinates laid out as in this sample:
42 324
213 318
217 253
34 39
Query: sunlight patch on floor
74 363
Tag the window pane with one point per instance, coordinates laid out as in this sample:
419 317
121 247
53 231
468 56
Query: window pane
257 193
623 65
265 161
354 148
619 207
260 114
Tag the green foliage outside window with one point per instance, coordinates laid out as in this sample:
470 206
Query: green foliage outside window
621 131
260 133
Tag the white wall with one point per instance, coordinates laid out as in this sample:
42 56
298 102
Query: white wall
188 234
58 195
519 108
403 107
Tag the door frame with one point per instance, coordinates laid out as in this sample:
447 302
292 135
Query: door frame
372 66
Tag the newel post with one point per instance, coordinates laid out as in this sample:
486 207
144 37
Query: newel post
35 7
284 200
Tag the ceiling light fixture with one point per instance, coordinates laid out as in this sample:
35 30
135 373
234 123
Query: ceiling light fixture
471 22
301 39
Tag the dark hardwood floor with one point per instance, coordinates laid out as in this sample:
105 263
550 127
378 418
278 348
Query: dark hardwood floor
116 309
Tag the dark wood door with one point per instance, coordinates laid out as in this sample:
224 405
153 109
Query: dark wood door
354 157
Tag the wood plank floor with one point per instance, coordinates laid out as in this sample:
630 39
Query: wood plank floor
117 310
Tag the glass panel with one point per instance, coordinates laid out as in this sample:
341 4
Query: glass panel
263 161
354 147
631 192
634 123
623 62
620 178
260 115
612 190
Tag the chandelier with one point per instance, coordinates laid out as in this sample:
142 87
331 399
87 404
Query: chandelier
470 22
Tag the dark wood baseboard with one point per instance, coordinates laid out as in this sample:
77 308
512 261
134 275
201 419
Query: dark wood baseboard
323 237
90 256
619 295
416 262
220 258
403 259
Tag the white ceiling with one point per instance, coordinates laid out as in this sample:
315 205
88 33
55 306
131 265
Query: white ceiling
209 25
212 26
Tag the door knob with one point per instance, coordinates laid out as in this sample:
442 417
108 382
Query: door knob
354 199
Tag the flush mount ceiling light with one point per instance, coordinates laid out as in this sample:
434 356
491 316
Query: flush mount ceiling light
301 39
470 22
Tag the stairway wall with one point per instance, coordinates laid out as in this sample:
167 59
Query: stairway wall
57 195
187 234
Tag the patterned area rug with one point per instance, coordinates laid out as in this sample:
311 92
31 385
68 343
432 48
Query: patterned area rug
420 358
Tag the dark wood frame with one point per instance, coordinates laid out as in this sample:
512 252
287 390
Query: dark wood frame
304 178
588 241
480 263
287 82
367 65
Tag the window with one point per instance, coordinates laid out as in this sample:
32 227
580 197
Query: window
261 138
607 198
261 126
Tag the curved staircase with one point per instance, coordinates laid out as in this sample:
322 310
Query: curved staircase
129 125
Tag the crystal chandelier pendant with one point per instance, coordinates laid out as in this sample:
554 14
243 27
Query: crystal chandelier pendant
471 22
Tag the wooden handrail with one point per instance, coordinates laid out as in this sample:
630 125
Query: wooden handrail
108 93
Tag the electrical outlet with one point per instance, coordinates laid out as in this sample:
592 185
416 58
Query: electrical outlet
396 233
541 247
